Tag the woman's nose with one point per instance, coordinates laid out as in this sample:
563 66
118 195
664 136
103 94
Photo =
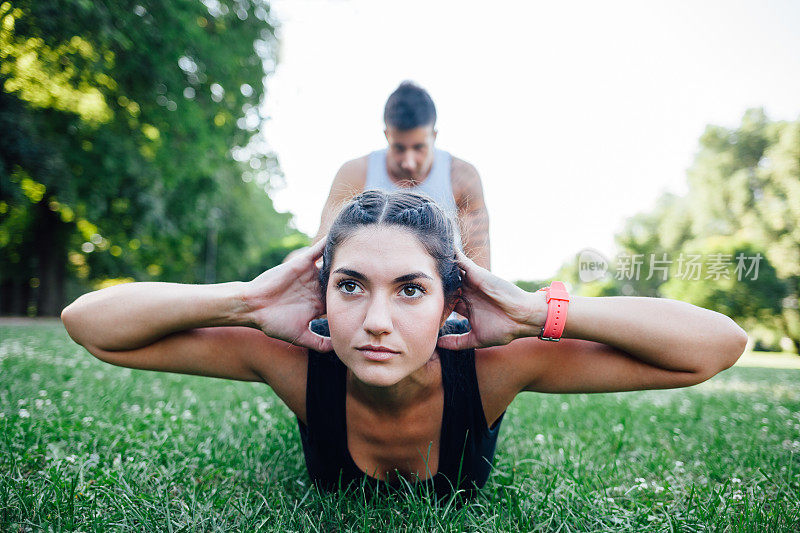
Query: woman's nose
379 317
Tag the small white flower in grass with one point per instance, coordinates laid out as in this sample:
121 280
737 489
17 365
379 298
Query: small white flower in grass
173 418
659 489
70 458
735 480
617 428
65 394
737 495
539 439
678 463
135 408
39 403
42 393
22 401
23 413
87 420
564 406
2 415
186 415
653 418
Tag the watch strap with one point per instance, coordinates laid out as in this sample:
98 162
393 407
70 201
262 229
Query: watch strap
557 299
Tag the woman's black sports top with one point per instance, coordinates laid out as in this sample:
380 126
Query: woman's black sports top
467 445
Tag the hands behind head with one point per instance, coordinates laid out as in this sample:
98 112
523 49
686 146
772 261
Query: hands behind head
498 311
284 299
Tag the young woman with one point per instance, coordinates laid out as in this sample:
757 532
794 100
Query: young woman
390 389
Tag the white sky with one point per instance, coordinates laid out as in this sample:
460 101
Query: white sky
576 114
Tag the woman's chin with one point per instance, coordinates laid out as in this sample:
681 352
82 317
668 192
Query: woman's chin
376 377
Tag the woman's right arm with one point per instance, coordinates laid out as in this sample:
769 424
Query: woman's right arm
224 330
133 315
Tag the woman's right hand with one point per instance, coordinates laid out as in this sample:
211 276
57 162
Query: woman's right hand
283 300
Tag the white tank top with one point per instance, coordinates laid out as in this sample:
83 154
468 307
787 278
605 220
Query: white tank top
437 185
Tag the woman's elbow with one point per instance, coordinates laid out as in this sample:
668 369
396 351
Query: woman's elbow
734 345
70 321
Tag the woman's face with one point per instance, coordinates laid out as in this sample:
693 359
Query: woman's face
384 290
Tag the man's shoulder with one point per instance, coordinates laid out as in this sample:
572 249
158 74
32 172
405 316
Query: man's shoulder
354 171
459 166
464 177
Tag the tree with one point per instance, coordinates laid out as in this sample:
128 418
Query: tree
743 201
131 145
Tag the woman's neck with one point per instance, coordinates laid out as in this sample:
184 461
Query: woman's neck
403 395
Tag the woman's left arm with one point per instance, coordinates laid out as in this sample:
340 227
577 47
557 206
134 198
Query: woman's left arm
668 334
609 344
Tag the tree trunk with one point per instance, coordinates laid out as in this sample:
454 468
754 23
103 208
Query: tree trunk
51 253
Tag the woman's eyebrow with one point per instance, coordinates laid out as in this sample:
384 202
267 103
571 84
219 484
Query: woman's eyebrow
399 279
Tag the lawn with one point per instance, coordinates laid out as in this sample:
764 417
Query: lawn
88 446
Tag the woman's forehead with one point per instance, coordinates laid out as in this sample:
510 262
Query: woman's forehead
383 252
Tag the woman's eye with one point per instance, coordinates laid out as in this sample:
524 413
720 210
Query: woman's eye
348 284
419 290
410 291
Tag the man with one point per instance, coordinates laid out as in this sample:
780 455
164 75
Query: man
412 163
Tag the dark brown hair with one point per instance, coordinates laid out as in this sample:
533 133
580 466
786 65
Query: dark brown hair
415 212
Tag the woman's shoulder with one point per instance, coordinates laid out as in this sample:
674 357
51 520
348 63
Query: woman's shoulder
497 387
284 367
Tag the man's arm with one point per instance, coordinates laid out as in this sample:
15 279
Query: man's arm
348 183
472 213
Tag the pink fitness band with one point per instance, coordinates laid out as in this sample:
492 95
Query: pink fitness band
557 300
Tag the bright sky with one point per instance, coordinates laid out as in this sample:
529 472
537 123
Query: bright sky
576 114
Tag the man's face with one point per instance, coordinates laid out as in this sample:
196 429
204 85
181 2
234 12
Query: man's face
410 154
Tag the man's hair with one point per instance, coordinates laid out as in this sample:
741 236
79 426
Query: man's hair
408 107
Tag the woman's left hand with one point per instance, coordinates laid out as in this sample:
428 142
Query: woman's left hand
498 311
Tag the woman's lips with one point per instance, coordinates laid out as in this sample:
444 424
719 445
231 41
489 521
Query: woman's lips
377 356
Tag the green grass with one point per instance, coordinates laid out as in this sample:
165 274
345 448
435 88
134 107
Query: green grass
92 447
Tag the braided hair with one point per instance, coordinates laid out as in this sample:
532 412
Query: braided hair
413 211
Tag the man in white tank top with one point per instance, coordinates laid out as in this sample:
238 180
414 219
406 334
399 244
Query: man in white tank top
412 163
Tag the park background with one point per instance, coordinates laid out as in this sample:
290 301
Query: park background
162 144
195 142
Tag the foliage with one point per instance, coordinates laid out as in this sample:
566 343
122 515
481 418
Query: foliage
136 127
743 207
